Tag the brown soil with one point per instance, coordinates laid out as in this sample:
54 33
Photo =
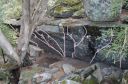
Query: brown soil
48 59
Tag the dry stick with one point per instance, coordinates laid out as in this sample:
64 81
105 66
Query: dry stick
34 13
70 35
73 53
75 43
42 14
125 41
82 37
121 60
64 43
47 43
50 46
13 28
33 41
3 55
54 41
102 47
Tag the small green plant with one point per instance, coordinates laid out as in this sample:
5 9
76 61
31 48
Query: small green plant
118 48
9 33
11 9
125 4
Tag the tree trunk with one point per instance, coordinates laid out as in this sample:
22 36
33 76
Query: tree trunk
25 30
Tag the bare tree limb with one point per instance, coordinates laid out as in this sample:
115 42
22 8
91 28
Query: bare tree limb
8 49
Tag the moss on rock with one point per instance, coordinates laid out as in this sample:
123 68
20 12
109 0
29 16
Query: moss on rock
65 8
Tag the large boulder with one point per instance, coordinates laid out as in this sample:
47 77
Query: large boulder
103 10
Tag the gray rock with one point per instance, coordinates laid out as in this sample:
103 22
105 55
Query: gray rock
68 68
66 82
103 10
44 77
104 71
97 73
34 51
48 28
26 75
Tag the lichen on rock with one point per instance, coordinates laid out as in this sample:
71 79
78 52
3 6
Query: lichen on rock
103 10
64 8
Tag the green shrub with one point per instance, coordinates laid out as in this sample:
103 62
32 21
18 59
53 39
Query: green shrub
9 33
125 4
118 46
11 9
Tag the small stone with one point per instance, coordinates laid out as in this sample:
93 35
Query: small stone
34 51
104 71
68 68
44 77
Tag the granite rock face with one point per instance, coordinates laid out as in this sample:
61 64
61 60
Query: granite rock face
103 10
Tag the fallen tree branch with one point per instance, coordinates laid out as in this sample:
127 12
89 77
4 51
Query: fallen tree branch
8 49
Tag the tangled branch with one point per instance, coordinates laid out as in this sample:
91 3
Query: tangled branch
44 39
75 42
98 50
